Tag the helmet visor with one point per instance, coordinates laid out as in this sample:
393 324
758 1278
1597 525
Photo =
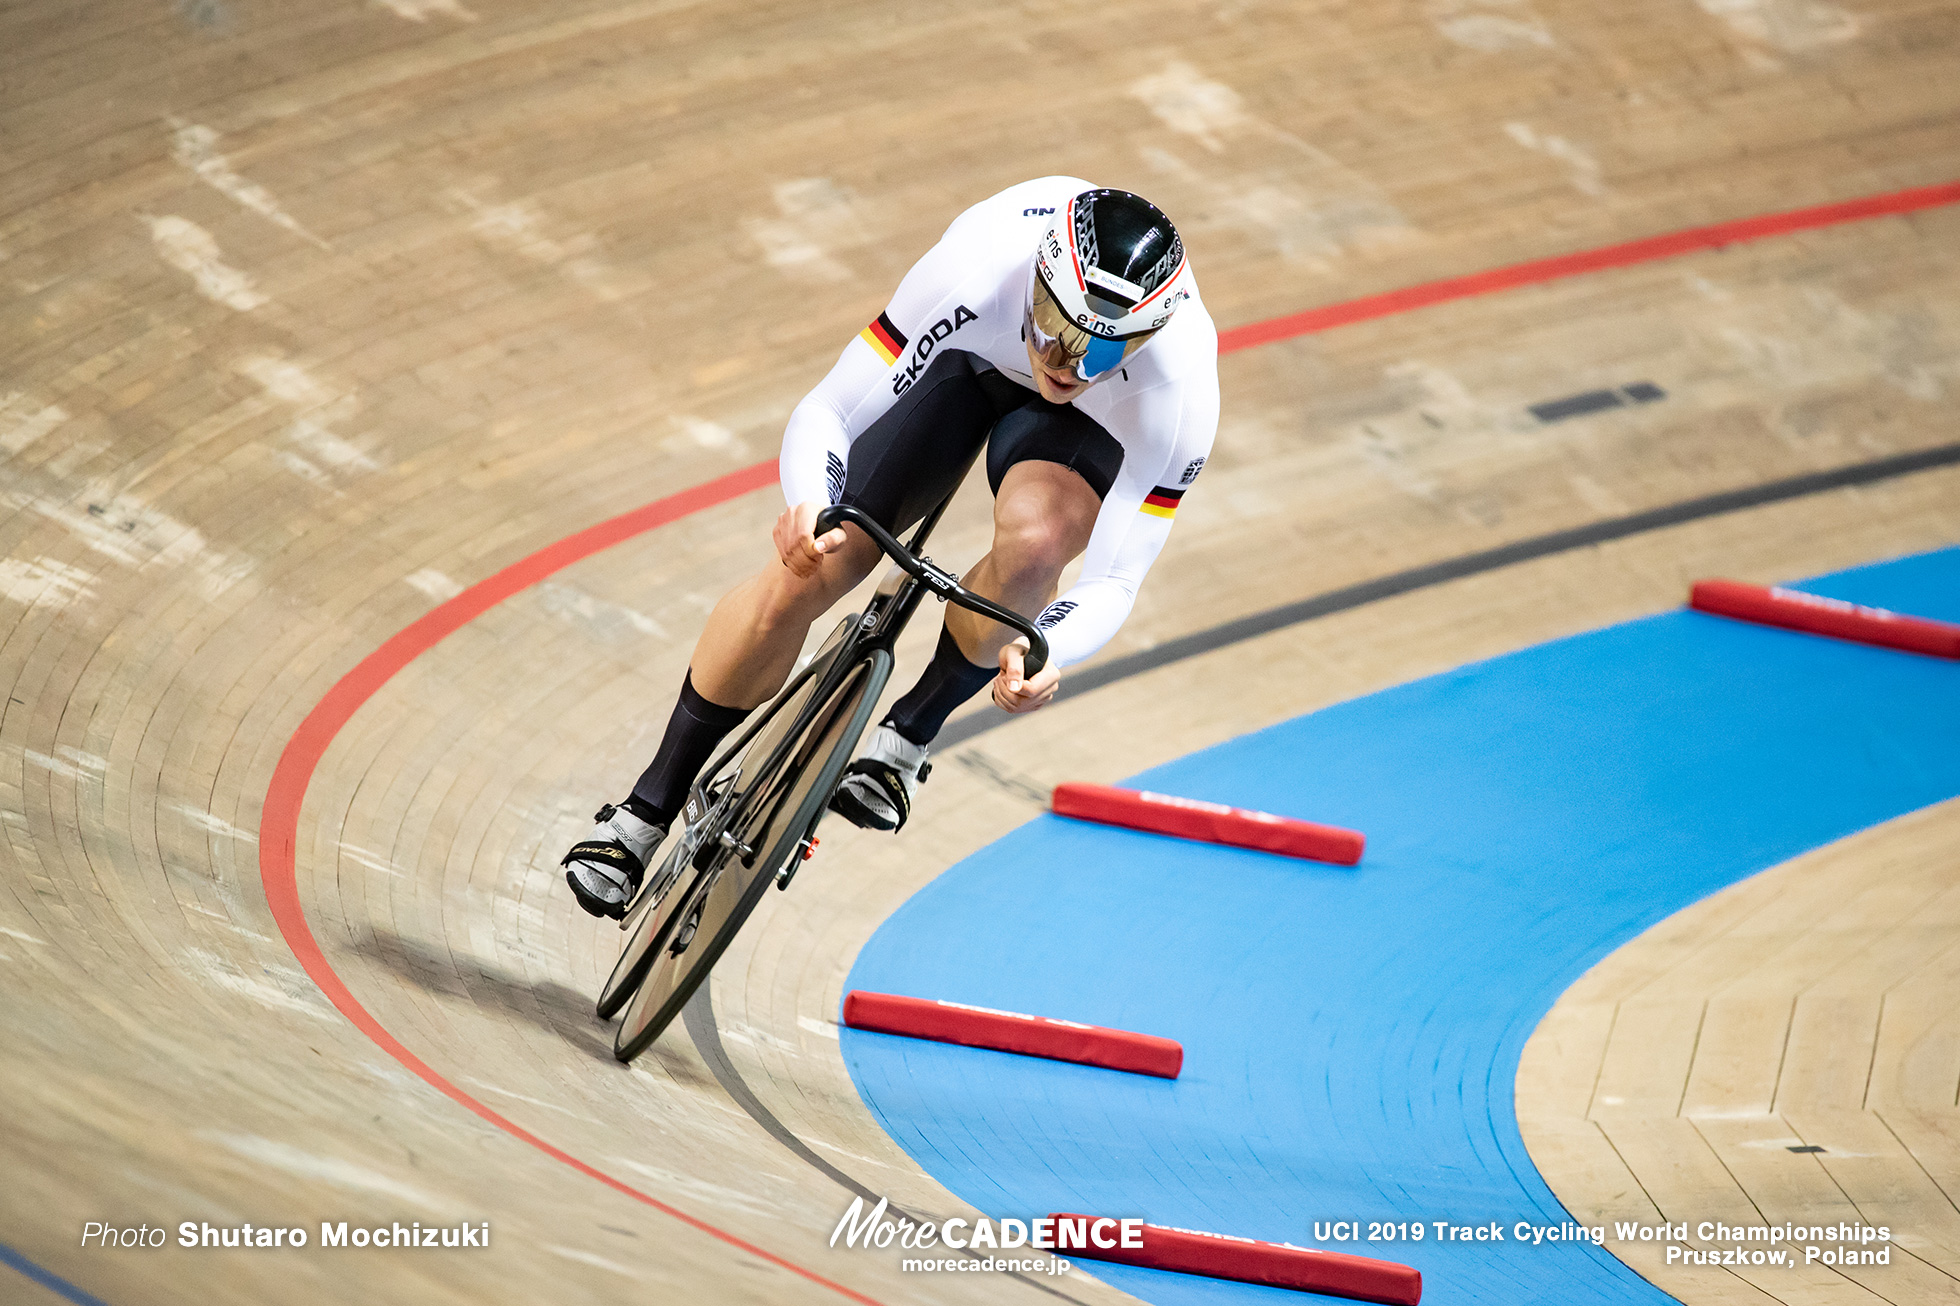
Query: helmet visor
1066 347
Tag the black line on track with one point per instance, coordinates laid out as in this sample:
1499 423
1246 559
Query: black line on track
699 1014
1469 564
699 1017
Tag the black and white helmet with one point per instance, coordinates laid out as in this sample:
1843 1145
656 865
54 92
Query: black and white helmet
1108 273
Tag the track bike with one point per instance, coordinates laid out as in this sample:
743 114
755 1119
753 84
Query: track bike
752 818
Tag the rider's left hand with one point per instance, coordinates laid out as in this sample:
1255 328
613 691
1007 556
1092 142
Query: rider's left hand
1014 691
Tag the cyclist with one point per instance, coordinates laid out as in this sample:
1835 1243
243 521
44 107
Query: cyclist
1059 326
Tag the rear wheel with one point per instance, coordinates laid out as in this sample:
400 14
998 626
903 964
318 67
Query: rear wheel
651 915
778 814
648 927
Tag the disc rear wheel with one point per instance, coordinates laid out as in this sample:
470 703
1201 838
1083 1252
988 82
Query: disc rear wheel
648 925
779 813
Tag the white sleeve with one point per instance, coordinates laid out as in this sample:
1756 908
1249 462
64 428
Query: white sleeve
818 439
860 386
1130 532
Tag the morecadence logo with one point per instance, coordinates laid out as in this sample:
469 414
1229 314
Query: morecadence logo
980 1238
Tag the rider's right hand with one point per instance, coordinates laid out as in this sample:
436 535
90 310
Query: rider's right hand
801 550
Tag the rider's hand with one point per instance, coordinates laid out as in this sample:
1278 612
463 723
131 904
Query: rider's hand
1014 691
797 543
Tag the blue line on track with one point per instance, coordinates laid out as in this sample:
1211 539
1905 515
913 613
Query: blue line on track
1352 1035
48 1279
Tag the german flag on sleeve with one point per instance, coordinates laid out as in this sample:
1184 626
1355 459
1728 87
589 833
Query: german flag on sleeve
883 336
1162 501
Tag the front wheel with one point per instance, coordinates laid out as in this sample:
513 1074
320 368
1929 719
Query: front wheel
778 815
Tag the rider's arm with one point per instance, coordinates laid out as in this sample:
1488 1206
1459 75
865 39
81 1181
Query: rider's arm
1131 529
818 439
861 385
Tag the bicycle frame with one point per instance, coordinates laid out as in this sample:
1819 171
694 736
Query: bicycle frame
879 626
747 809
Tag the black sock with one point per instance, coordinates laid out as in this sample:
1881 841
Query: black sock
693 732
949 680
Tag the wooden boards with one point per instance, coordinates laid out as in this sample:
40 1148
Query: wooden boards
1786 1051
313 315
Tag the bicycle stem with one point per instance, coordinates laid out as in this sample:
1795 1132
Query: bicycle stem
941 582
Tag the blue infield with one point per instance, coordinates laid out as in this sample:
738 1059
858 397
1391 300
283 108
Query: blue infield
1351 1035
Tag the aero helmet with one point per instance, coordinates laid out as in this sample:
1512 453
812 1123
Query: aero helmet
1107 274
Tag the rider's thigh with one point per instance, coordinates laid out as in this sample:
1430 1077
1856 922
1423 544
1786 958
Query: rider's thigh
788 597
850 564
1054 433
916 453
1044 513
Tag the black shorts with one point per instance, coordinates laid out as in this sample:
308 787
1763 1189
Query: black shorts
918 452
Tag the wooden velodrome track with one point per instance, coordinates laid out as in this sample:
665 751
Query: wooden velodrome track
313 316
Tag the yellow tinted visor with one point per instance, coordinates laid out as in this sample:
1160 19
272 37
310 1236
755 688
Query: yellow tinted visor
1064 346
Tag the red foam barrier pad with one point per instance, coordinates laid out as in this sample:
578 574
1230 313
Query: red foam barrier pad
1010 1031
1222 1256
1192 818
1795 610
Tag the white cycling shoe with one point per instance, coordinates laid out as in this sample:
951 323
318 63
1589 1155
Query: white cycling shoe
606 867
877 790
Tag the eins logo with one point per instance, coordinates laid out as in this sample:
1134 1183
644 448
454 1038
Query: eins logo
1171 302
928 341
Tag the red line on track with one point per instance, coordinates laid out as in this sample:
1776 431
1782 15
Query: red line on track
279 816
1542 270
279 819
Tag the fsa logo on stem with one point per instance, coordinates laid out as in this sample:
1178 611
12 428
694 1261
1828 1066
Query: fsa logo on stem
928 341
